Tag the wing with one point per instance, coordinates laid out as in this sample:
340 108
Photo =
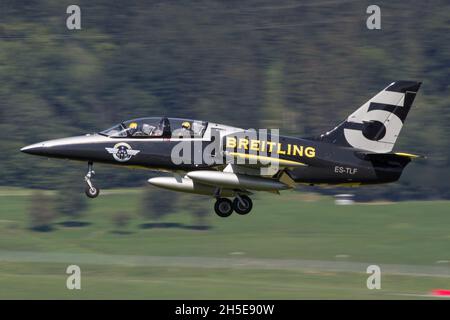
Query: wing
243 178
264 161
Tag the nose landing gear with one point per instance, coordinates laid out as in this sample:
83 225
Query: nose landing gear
90 190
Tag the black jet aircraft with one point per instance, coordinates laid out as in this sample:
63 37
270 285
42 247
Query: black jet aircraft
228 162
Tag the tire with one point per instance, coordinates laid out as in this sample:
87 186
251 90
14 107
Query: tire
242 209
92 193
223 207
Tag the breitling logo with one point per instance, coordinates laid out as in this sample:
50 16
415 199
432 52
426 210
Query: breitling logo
122 152
271 147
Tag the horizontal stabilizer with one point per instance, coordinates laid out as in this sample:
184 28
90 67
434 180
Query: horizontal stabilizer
398 158
410 155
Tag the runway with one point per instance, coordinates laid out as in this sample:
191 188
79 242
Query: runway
219 262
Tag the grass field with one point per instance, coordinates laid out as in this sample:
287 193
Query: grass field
266 254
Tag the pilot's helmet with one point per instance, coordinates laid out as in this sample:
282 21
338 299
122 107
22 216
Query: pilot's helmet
186 125
133 125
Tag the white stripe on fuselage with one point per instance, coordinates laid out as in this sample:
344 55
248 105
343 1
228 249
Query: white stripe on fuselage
102 139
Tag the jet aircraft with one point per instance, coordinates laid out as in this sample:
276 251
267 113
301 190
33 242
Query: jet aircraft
229 162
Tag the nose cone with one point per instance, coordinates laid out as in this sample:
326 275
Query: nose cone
38 149
67 148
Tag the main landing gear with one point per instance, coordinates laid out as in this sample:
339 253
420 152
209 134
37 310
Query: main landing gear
224 207
90 190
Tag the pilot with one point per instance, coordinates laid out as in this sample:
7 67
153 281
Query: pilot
132 128
187 129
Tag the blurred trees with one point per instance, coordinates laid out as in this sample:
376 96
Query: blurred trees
299 66
197 207
71 200
157 203
121 220
41 211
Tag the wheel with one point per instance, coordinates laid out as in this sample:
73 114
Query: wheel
223 207
92 192
242 208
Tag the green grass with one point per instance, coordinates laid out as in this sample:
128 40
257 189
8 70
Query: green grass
289 226
47 281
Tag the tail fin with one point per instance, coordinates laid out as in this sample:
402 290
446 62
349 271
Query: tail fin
375 126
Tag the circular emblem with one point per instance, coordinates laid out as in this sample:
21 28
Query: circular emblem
122 152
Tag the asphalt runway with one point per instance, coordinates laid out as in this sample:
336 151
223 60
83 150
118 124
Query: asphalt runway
211 262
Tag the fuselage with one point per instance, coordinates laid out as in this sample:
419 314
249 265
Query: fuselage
321 162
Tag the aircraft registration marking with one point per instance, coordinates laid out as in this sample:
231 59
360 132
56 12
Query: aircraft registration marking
345 170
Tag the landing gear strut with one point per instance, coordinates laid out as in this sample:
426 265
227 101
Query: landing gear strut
90 190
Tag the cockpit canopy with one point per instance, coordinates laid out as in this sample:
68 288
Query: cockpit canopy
157 128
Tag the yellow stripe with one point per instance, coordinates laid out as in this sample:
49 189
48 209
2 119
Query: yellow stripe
409 155
257 157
